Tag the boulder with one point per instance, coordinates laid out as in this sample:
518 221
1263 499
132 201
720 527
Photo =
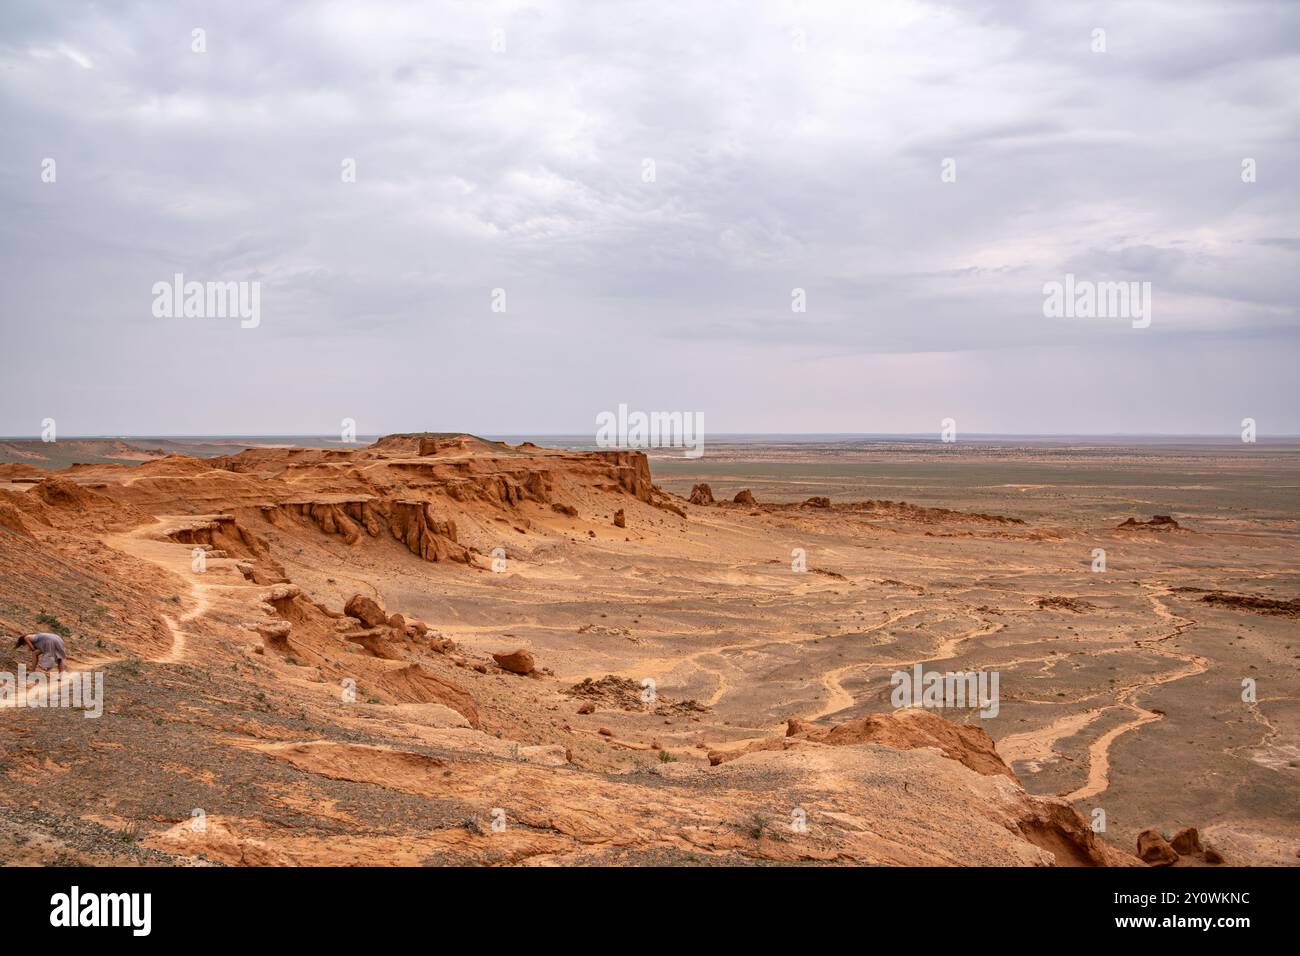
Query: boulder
1186 842
701 494
744 497
1155 849
620 520
797 726
516 662
282 592
365 610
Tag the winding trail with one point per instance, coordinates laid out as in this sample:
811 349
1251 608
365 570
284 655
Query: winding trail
141 543
839 699
1037 745
145 544
1099 749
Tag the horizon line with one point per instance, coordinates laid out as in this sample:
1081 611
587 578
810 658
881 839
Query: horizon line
591 435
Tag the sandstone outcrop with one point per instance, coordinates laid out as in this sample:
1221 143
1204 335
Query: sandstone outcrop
701 494
1047 822
424 533
1157 523
417 684
225 533
905 729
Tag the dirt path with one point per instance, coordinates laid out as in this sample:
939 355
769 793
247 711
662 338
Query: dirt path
839 699
1099 749
145 544
1038 744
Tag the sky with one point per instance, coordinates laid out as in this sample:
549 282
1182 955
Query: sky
562 207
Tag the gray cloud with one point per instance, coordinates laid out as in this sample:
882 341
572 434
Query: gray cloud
775 170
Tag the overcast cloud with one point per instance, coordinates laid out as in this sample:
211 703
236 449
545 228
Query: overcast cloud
775 169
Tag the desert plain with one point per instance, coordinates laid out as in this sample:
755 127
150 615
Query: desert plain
442 649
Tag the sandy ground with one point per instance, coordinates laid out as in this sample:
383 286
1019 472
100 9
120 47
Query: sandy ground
1121 690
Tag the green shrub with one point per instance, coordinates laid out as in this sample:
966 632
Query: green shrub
52 624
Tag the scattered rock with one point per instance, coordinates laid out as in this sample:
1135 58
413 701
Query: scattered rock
587 708
817 501
1252 602
1065 604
